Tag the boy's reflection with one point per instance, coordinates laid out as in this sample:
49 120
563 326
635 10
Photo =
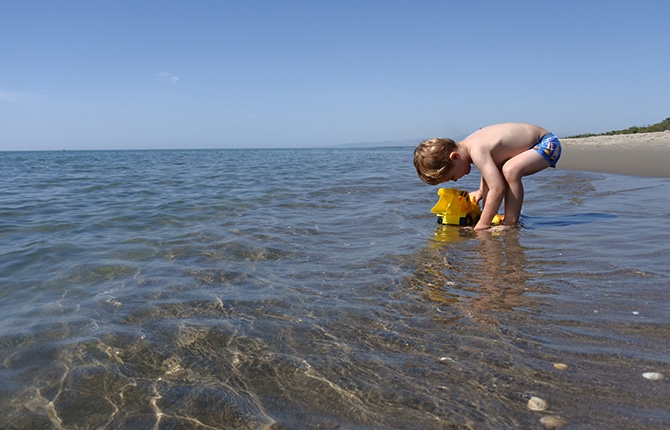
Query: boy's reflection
486 271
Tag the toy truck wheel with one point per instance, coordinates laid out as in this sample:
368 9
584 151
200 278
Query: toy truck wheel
439 220
465 221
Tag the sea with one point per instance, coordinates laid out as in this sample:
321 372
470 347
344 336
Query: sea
314 289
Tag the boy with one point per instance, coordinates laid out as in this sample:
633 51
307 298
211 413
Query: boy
503 154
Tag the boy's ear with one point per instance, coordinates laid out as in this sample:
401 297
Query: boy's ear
454 155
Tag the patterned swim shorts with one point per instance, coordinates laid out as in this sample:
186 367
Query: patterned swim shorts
549 148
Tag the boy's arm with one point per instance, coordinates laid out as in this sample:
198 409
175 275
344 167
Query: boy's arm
480 194
495 183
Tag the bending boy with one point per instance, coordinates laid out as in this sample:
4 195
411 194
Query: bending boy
503 154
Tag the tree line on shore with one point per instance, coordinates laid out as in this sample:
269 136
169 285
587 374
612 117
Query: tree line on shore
659 126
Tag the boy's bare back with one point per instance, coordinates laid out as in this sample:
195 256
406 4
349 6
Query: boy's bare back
502 141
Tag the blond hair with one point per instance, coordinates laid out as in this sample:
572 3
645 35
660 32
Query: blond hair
431 159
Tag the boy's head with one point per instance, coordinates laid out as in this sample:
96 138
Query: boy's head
432 159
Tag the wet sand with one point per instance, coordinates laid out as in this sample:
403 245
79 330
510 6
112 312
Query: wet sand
642 154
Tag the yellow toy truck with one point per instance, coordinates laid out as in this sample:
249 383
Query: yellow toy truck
458 207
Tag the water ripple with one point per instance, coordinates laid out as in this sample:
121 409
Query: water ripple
310 289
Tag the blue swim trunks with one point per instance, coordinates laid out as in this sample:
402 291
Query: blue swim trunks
549 148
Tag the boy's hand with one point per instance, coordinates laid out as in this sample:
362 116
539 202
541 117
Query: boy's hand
476 195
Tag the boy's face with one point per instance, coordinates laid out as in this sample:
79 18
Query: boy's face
459 167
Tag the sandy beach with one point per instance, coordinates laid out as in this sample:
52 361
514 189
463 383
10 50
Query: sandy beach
641 154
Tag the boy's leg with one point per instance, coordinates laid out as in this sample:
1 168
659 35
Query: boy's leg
524 164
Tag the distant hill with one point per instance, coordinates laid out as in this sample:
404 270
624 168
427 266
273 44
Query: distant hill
384 144
393 143
660 126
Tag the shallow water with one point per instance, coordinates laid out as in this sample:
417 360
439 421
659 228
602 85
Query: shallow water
313 289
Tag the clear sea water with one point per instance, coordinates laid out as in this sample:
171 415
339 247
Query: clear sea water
312 288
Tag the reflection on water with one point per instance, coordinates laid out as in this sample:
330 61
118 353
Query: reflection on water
492 272
221 303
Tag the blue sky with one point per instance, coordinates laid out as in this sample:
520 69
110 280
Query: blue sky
133 74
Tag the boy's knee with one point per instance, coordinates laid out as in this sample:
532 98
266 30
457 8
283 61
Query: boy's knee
511 173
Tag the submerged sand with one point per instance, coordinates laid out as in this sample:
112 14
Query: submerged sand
641 154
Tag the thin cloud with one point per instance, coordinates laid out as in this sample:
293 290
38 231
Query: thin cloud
16 97
168 77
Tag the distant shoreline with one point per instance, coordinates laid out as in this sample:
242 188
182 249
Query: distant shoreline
639 154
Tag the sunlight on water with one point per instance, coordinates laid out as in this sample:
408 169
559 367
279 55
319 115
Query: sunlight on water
185 289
